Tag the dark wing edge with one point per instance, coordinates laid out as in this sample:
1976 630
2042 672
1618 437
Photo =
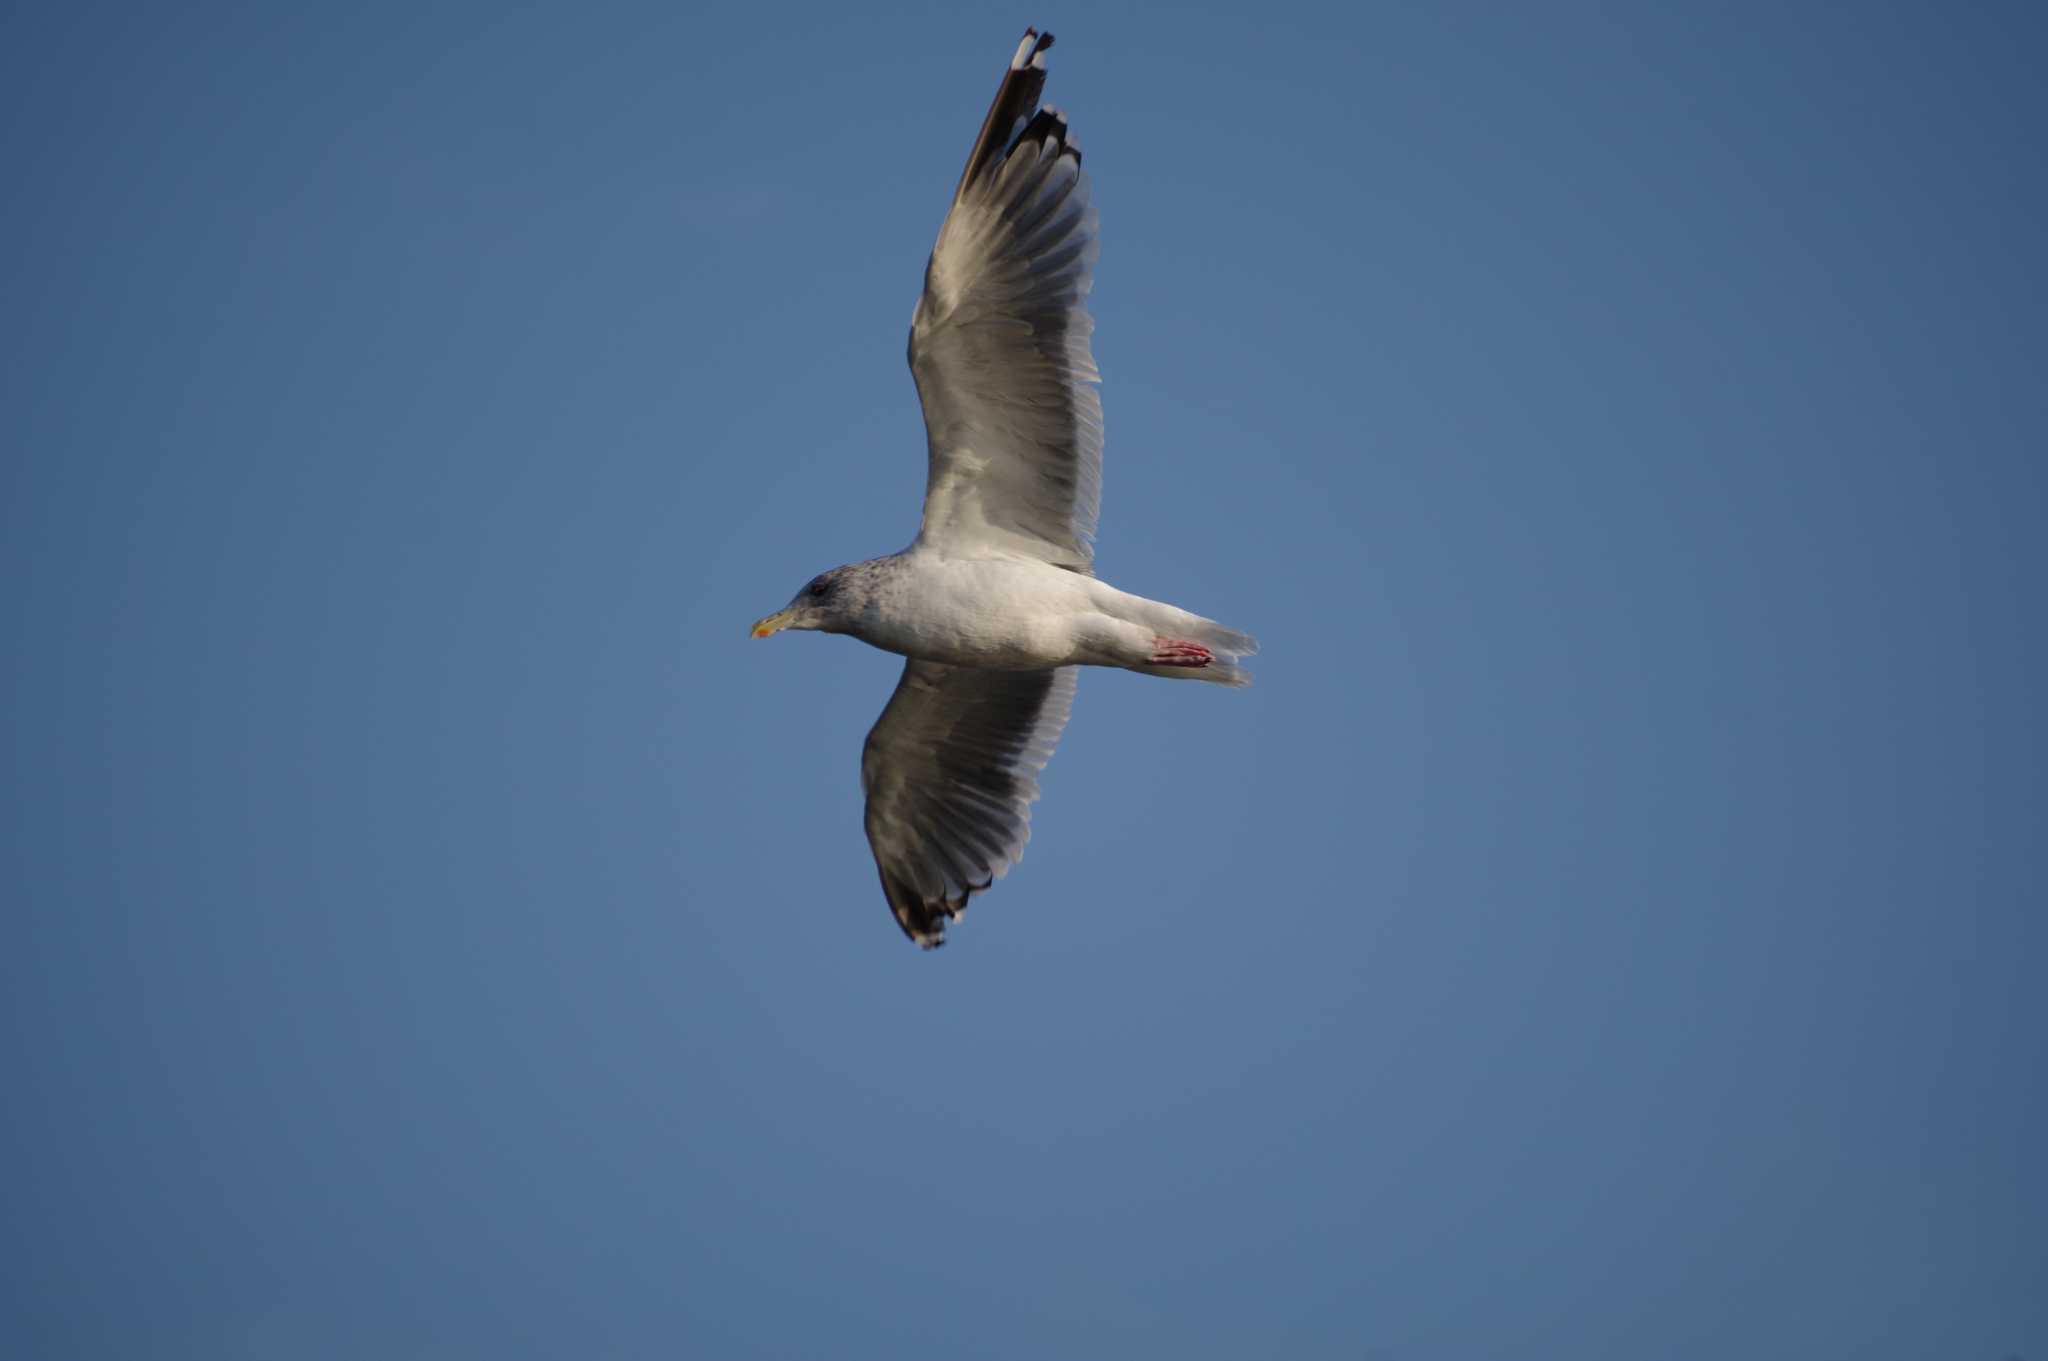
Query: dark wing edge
1015 98
950 771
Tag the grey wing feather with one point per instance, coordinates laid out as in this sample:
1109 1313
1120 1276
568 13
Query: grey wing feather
950 771
999 341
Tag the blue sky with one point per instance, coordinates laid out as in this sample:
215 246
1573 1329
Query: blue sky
1611 926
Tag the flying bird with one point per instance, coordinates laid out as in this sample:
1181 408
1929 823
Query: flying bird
996 603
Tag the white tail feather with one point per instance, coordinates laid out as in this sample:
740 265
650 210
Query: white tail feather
1221 671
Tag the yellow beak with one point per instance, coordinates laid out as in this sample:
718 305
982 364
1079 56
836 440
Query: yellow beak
774 623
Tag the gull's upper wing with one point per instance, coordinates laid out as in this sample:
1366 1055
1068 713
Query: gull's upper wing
999 341
950 771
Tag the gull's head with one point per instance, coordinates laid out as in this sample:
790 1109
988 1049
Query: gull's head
824 603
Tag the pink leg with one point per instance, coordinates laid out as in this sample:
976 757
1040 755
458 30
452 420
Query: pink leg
1179 652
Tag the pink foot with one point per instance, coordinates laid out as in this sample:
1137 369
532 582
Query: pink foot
1179 652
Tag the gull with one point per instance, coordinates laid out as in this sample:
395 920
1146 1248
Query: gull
996 602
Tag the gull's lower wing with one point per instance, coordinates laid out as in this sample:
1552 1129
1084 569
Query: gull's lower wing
999 341
950 771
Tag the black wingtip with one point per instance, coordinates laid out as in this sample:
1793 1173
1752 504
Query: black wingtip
1048 124
1031 49
1015 100
923 920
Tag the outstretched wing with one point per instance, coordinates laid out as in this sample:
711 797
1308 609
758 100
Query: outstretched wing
950 771
999 341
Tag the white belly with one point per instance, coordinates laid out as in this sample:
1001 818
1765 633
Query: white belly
984 612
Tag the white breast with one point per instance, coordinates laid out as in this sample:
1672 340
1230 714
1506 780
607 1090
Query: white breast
980 612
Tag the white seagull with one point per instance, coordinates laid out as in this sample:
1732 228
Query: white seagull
996 603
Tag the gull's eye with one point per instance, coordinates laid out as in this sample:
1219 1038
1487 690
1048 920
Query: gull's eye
819 587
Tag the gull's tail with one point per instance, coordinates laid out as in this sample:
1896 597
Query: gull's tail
1190 647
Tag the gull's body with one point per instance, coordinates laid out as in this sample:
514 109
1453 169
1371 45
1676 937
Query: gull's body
996 603
1009 614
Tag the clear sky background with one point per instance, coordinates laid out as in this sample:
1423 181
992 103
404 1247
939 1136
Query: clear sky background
1611 927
